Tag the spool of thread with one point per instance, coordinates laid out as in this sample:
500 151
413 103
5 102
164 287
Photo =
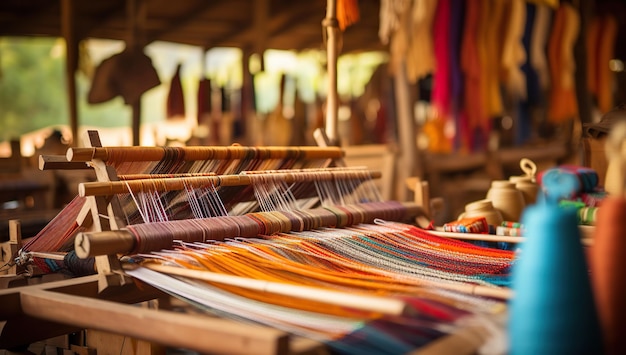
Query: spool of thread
509 231
78 266
507 199
553 311
609 285
588 216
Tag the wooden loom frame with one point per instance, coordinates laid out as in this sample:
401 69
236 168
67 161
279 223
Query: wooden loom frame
97 301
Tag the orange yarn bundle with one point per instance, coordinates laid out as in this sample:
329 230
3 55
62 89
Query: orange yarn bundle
347 13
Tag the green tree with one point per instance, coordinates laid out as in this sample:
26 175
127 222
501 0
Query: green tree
32 90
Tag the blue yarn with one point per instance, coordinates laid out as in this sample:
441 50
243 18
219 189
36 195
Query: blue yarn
553 311
52 264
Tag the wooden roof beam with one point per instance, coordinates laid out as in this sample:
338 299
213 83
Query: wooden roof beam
42 13
196 11
116 11
277 22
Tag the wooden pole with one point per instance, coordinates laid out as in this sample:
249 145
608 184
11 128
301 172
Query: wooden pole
205 153
331 29
406 131
68 28
203 334
136 16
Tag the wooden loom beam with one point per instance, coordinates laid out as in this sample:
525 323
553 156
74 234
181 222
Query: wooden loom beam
169 184
207 334
204 153
123 241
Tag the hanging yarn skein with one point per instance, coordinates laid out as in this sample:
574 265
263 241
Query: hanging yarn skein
553 311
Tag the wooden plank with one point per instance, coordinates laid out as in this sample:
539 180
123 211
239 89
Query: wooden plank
59 162
201 333
10 305
25 330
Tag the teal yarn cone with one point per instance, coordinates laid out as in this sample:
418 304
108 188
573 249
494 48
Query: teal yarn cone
553 310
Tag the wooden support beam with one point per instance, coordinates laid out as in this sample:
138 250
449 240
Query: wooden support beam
331 30
68 29
261 16
275 23
409 159
201 8
116 11
42 12
203 334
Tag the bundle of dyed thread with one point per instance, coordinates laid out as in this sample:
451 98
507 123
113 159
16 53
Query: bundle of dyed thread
468 225
585 198
510 229
586 214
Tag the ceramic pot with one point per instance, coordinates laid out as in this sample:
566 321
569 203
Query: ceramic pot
507 198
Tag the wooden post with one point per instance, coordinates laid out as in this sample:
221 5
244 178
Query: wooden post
331 29
261 15
136 11
247 111
407 132
68 29
104 219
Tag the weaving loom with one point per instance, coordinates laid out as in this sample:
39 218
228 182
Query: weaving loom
350 287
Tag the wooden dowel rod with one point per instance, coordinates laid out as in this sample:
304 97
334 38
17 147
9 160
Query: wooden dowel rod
161 176
170 184
51 256
103 243
384 305
493 238
204 153
194 332
59 162
477 236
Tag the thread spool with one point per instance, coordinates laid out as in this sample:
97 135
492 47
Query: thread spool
553 311
507 199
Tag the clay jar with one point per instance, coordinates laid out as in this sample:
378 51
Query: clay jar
483 208
527 187
507 198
